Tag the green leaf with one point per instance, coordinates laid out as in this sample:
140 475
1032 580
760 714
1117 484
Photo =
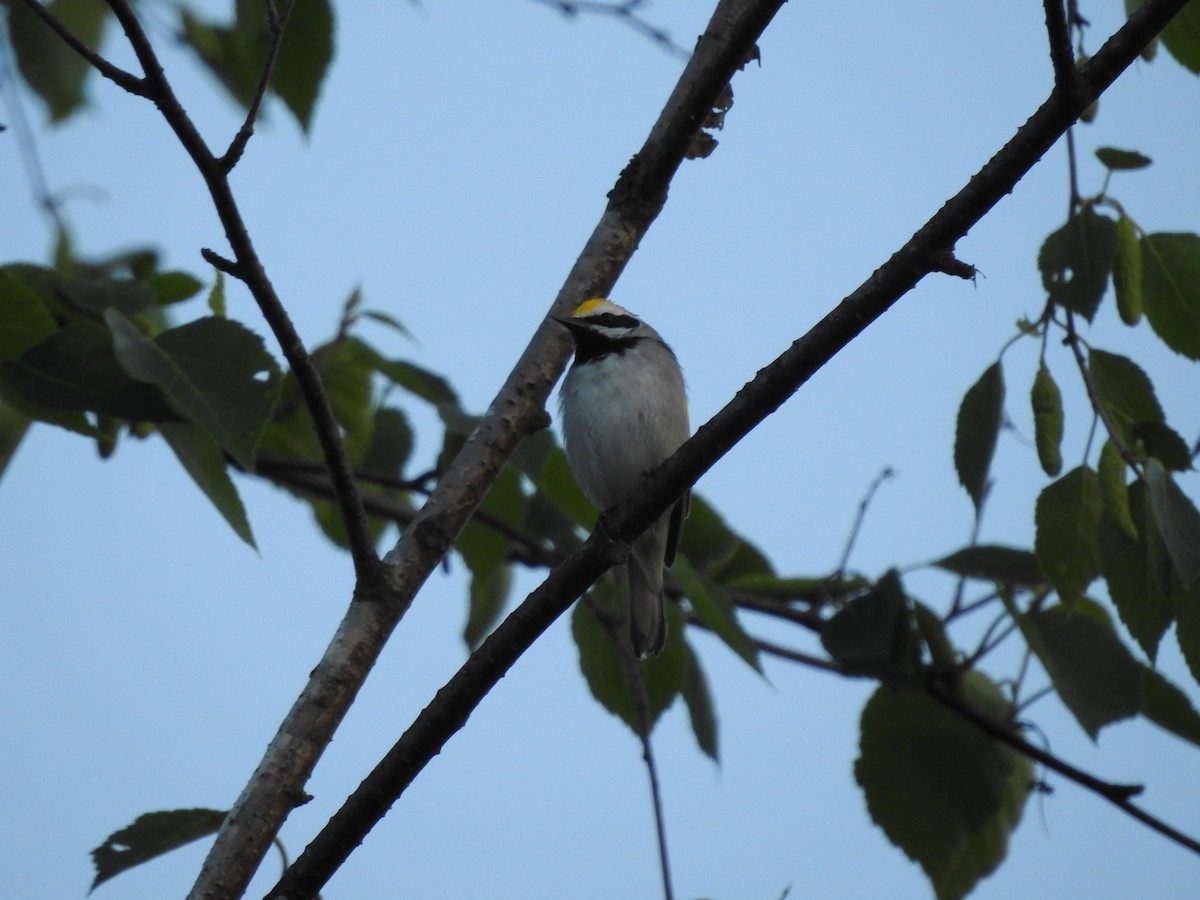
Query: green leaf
214 372
1187 629
979 419
990 562
1115 159
485 551
1171 289
1159 440
701 710
204 462
607 668
875 633
1076 260
391 444
150 836
1178 522
53 70
304 58
805 589
92 294
1125 389
173 287
1168 707
716 550
558 485
1095 675
941 790
13 425
1141 581
24 319
1046 400
713 607
1182 36
1127 272
1113 492
1067 520
75 369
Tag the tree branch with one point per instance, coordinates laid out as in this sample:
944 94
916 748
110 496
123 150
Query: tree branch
118 76
248 267
517 410
1118 794
276 24
773 385
1060 44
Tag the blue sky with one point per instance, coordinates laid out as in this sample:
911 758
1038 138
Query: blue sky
459 160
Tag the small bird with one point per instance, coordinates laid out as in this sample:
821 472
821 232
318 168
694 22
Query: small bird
624 411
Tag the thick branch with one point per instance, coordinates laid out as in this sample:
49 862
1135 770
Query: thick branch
774 384
517 410
248 267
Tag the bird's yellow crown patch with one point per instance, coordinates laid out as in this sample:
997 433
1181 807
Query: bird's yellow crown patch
587 306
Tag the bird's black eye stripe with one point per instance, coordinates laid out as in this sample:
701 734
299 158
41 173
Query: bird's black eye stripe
613 320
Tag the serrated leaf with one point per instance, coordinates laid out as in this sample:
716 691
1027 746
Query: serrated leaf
1113 491
1116 159
304 58
1076 260
1187 630
150 836
24 319
980 416
1125 389
701 710
875 633
202 459
990 562
1168 707
1046 400
1171 289
76 369
713 608
1067 520
945 793
54 71
1127 272
1095 675
1178 522
488 594
558 485
213 372
1141 581
485 551
604 665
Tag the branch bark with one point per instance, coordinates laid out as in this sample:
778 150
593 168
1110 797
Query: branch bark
276 785
925 252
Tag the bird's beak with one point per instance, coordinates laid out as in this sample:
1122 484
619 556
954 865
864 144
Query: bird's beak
571 325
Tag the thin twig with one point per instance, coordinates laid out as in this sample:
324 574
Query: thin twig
1073 341
276 24
861 516
626 12
118 76
1117 794
635 683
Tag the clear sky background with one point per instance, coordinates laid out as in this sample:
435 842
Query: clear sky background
460 157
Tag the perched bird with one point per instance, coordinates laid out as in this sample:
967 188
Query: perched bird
624 411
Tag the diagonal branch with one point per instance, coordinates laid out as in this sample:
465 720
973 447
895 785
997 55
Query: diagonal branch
923 253
518 409
276 24
115 74
1060 44
247 266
